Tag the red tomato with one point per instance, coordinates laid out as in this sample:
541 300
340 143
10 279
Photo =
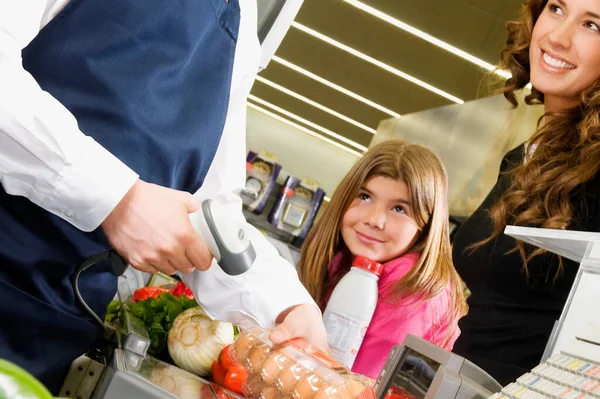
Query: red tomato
235 379
226 360
220 392
228 373
209 391
218 373
399 393
181 289
148 292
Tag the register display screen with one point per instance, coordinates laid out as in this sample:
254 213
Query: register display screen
412 377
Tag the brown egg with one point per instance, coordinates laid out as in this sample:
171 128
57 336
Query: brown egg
254 386
328 392
289 377
269 392
257 355
351 389
307 387
329 376
242 345
273 366
260 333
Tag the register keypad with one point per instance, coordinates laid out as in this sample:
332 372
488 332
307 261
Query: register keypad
560 377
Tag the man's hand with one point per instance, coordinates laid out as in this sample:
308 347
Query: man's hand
151 229
301 321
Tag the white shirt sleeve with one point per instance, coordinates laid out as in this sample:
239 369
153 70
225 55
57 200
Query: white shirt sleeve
43 154
271 285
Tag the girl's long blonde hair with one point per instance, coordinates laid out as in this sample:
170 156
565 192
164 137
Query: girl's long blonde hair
422 171
567 148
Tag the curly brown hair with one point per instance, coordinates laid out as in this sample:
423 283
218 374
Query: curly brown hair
567 147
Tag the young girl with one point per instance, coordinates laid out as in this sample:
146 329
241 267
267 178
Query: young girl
391 208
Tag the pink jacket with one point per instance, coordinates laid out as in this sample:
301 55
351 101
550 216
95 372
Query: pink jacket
391 323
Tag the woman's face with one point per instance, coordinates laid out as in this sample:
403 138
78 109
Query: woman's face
565 51
379 223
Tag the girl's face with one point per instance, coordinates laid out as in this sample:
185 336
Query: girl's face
565 51
379 222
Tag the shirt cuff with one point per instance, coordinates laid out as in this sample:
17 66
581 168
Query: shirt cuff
88 189
283 291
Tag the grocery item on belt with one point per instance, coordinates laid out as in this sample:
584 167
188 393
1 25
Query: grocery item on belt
294 369
16 383
180 383
195 340
228 372
157 309
350 309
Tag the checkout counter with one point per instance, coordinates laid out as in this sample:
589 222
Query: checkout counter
414 369
120 367
569 369
570 366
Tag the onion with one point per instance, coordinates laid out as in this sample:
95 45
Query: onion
195 340
178 382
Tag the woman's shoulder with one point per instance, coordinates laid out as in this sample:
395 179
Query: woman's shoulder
513 157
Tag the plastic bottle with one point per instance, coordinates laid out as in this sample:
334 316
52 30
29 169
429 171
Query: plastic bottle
350 309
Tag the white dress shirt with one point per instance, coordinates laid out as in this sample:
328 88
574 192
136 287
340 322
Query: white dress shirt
46 158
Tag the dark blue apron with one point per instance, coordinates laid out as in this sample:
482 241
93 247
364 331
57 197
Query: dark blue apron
149 80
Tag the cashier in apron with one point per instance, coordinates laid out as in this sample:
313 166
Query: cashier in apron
149 83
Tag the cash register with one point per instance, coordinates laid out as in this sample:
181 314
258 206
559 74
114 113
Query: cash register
570 365
420 369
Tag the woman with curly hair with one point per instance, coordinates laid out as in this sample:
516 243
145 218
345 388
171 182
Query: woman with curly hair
552 181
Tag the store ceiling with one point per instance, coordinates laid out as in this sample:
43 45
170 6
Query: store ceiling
476 27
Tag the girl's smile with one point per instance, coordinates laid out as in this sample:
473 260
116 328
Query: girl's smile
379 223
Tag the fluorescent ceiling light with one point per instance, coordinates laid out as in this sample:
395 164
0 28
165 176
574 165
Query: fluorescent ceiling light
308 123
304 130
315 104
335 86
436 42
376 62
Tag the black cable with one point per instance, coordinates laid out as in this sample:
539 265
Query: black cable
118 266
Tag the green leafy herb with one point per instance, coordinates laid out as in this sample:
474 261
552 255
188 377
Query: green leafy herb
113 310
158 316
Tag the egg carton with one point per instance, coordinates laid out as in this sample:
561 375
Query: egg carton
294 370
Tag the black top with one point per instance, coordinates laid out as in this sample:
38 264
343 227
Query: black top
511 317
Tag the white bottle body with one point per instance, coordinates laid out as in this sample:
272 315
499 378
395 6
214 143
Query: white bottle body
349 313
